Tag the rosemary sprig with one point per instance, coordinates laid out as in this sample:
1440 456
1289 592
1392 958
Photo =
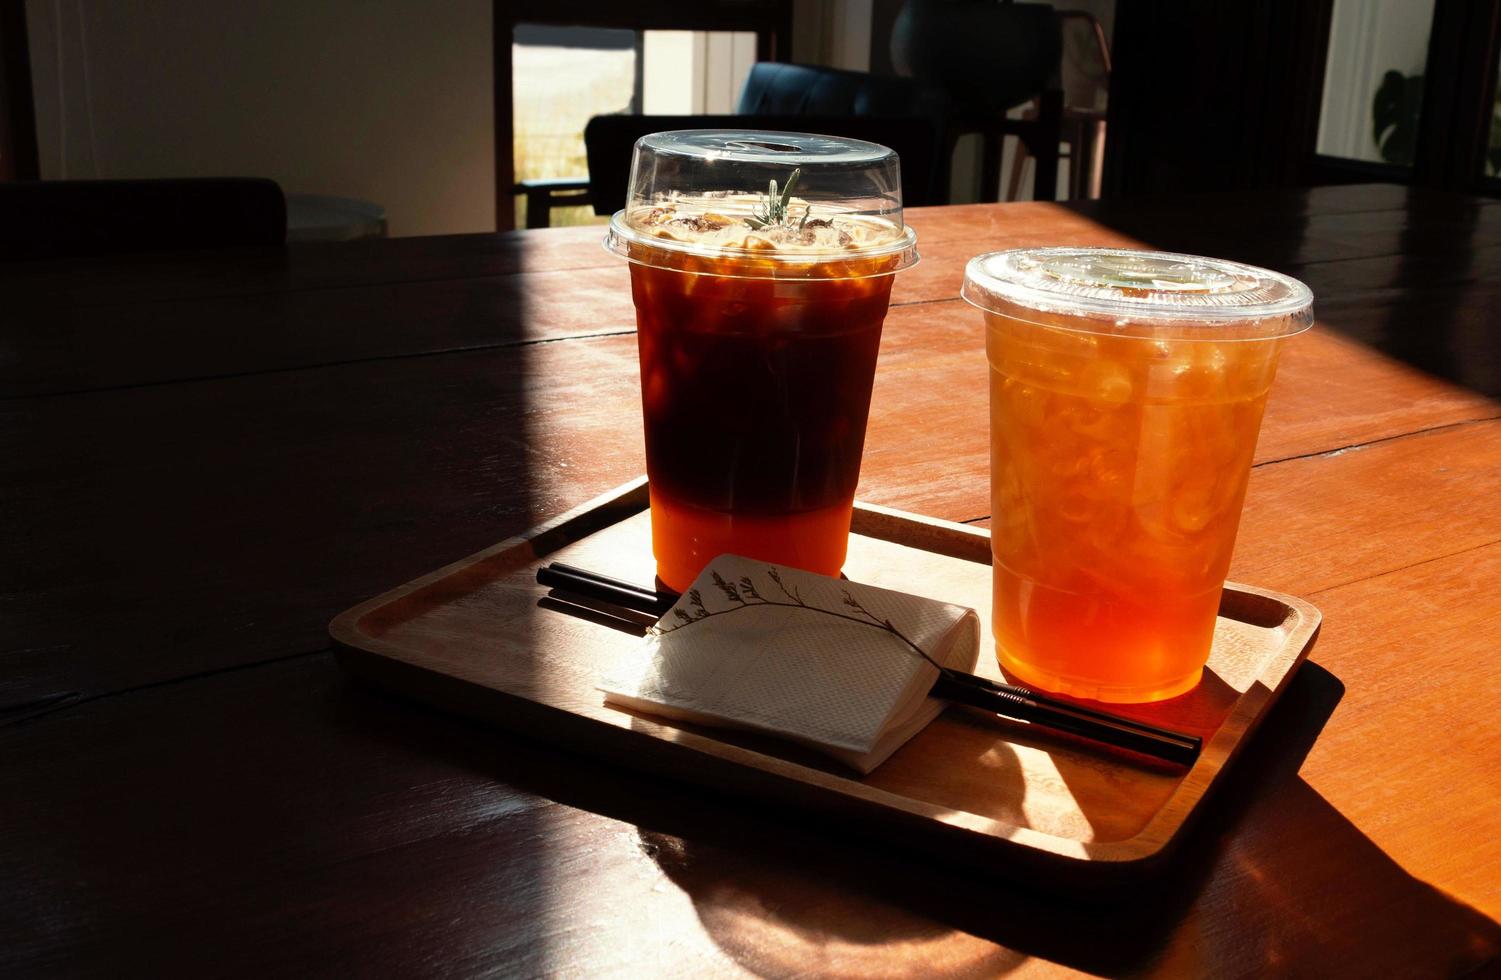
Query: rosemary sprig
775 211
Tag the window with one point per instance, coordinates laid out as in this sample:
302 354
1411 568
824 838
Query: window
562 76
1373 80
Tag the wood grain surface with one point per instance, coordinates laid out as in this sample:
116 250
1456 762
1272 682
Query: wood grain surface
204 458
477 637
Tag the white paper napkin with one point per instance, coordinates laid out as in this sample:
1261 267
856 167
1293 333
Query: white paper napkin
824 662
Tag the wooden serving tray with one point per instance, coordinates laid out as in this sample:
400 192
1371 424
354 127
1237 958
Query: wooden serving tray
481 637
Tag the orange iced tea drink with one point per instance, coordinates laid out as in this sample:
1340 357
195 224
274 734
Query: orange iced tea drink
758 316
1125 402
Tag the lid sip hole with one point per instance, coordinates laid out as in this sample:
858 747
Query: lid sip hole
761 145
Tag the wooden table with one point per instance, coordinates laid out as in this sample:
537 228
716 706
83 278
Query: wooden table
205 458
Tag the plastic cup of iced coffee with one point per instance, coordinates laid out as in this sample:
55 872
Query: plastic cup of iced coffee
1126 393
761 268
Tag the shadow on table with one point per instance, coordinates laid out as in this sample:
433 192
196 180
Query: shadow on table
1441 319
1415 277
782 894
914 904
777 901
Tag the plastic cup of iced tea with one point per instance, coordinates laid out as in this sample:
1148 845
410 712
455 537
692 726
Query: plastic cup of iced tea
761 268
1126 393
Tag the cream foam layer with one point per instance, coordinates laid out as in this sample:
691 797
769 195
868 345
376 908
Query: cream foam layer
726 221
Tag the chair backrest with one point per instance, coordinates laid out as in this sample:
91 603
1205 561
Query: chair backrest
74 218
776 89
987 56
609 140
1085 62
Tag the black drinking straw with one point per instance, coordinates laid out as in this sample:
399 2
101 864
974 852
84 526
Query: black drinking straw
1007 700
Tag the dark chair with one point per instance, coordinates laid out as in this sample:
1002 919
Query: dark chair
988 58
1085 74
776 89
75 218
895 112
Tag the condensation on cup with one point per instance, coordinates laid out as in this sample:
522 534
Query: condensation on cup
1126 393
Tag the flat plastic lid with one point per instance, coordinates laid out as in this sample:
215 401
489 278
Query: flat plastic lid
1110 290
788 203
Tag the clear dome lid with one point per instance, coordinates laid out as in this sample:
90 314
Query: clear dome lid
1121 290
793 205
